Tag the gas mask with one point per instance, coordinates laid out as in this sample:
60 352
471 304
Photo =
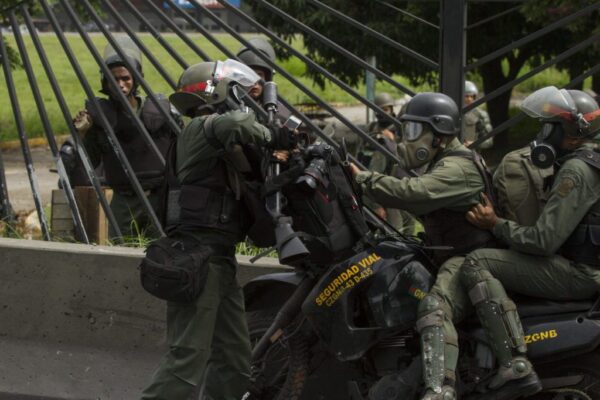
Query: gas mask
419 144
545 149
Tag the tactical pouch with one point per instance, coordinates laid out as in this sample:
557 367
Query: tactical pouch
175 269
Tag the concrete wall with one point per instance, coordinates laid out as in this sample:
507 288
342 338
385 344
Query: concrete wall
66 309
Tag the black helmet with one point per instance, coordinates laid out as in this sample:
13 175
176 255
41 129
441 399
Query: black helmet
112 59
249 57
435 109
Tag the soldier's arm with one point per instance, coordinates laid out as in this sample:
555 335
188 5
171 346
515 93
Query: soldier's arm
575 191
238 128
484 126
446 186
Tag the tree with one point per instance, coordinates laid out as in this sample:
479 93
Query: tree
481 40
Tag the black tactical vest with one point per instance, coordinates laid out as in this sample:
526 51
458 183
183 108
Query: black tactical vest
583 246
142 158
210 201
450 228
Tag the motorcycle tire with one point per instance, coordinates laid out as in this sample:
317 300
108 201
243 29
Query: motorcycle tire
286 375
586 365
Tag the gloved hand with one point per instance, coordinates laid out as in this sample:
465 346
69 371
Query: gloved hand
283 138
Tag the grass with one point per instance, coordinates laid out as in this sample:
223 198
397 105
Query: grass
75 95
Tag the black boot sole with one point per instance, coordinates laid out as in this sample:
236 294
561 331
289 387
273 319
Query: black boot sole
519 388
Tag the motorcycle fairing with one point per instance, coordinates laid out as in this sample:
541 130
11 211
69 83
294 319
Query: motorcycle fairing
556 336
369 296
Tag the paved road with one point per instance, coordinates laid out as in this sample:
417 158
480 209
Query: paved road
17 181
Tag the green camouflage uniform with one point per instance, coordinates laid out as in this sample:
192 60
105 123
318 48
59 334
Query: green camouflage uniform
401 220
534 267
208 339
522 189
452 183
476 123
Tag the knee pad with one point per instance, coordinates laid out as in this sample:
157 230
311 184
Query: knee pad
471 273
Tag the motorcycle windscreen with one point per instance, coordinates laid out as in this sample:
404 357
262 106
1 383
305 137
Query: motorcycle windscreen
369 296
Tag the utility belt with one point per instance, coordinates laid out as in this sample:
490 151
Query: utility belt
583 246
205 207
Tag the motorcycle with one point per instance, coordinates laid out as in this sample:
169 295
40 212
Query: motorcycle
346 331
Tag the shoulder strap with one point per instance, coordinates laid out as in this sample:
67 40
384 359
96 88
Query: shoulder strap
589 156
209 131
482 168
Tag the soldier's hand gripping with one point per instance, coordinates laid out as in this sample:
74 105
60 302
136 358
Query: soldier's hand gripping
482 215
82 122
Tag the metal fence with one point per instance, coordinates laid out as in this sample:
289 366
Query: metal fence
450 67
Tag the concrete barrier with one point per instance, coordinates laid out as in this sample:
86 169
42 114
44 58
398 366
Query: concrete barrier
75 322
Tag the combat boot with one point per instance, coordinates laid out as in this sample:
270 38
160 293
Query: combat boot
515 377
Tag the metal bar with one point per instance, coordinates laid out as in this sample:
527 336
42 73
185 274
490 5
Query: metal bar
398 46
180 33
546 65
139 125
511 122
6 211
452 49
408 14
39 102
155 33
10 86
580 78
248 100
115 14
493 17
365 136
311 63
110 134
331 44
535 35
138 76
89 169
283 101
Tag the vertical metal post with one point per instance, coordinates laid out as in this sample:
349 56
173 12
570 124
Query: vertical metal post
6 212
370 86
452 49
33 181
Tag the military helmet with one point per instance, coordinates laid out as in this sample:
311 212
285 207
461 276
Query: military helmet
435 109
212 84
112 59
576 111
471 89
249 57
384 100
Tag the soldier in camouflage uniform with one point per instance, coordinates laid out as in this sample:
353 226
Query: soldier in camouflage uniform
556 257
476 122
450 186
209 336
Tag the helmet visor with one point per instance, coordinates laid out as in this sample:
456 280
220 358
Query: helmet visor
235 71
412 130
549 103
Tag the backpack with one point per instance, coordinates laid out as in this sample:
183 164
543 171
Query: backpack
522 189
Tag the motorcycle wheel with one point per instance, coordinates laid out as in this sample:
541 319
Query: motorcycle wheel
282 373
588 388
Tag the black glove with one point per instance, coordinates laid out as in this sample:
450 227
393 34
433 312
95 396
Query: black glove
283 138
